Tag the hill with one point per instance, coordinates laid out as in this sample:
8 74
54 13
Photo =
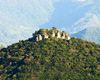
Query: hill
91 34
50 59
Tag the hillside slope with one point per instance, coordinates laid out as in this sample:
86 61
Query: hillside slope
50 59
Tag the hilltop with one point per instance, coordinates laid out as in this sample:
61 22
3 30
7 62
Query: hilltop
50 59
50 33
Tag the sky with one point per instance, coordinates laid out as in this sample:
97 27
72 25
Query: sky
20 18
75 15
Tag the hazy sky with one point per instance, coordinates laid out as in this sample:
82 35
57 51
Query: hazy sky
75 15
20 18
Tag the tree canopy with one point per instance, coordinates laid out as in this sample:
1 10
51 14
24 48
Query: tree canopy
51 59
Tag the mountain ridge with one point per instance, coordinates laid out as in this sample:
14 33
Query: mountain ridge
90 34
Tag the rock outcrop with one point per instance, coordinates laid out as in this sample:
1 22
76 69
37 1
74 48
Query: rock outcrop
45 36
58 34
53 34
50 33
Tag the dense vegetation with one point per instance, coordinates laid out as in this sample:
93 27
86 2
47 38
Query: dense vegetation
50 59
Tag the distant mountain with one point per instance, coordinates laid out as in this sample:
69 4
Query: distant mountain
89 20
8 37
19 19
90 34
79 34
50 59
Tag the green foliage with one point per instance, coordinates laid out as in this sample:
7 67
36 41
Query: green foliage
54 28
41 31
50 59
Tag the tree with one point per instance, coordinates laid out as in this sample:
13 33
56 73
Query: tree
54 28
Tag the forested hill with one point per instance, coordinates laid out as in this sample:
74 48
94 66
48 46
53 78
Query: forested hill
51 59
